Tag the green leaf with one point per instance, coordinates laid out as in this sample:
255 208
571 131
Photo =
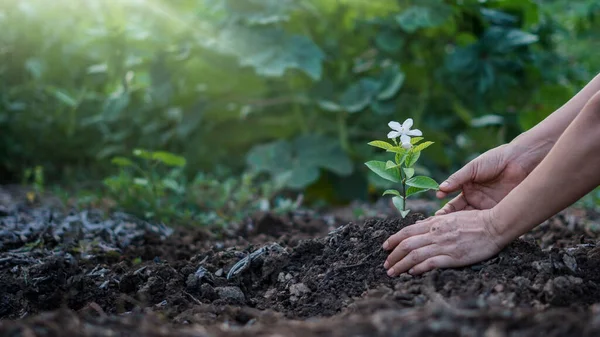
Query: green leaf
122 161
409 171
404 213
140 181
422 146
141 153
329 106
297 164
415 140
411 190
392 82
389 164
392 192
416 17
422 182
169 159
359 95
389 41
400 158
270 51
381 144
412 157
379 168
398 203
384 108
65 98
397 149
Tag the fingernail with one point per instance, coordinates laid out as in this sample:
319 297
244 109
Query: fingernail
444 184
390 272
386 244
386 265
411 271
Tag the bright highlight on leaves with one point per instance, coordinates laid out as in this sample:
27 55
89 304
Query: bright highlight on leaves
401 169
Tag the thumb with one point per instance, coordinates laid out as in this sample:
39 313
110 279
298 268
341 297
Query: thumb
459 178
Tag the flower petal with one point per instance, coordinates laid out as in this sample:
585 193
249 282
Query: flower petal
407 145
408 123
395 126
394 134
404 139
415 133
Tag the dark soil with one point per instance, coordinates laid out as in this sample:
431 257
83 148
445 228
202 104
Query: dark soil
90 274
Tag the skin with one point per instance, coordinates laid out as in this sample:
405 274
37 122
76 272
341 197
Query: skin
506 191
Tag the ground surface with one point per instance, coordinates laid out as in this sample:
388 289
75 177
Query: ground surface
90 274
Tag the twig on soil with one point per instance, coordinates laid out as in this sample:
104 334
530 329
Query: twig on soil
197 301
244 263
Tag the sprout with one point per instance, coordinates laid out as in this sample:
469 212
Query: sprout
402 169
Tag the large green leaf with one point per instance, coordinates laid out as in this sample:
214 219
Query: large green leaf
391 82
411 190
423 16
271 52
379 168
398 202
392 192
389 41
381 144
169 159
296 164
359 95
412 157
422 182
422 146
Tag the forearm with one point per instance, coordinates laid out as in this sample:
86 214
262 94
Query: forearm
537 142
570 170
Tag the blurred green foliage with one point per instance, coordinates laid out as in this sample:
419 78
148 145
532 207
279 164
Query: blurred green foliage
289 88
151 184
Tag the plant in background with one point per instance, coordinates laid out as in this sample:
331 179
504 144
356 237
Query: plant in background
406 153
35 178
155 187
143 187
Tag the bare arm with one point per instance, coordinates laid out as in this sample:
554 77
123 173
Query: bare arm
569 171
533 145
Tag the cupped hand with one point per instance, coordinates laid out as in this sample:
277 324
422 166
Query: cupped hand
446 241
484 181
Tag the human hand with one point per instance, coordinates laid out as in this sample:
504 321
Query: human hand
485 180
452 240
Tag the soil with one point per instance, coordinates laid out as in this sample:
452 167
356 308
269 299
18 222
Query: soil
86 273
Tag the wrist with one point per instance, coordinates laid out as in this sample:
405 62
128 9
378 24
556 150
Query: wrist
528 151
498 225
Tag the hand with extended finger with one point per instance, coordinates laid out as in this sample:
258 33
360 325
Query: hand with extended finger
487 179
452 240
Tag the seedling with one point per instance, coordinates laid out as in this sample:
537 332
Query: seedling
406 152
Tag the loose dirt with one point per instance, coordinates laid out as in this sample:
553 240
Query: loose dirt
86 273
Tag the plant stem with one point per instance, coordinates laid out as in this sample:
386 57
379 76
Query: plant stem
403 176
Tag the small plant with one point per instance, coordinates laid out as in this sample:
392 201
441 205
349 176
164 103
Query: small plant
145 186
34 177
407 152
154 186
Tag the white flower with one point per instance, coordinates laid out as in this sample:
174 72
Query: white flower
404 132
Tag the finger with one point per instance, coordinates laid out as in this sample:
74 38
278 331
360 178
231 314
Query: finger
405 247
457 204
404 233
436 262
413 259
456 180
